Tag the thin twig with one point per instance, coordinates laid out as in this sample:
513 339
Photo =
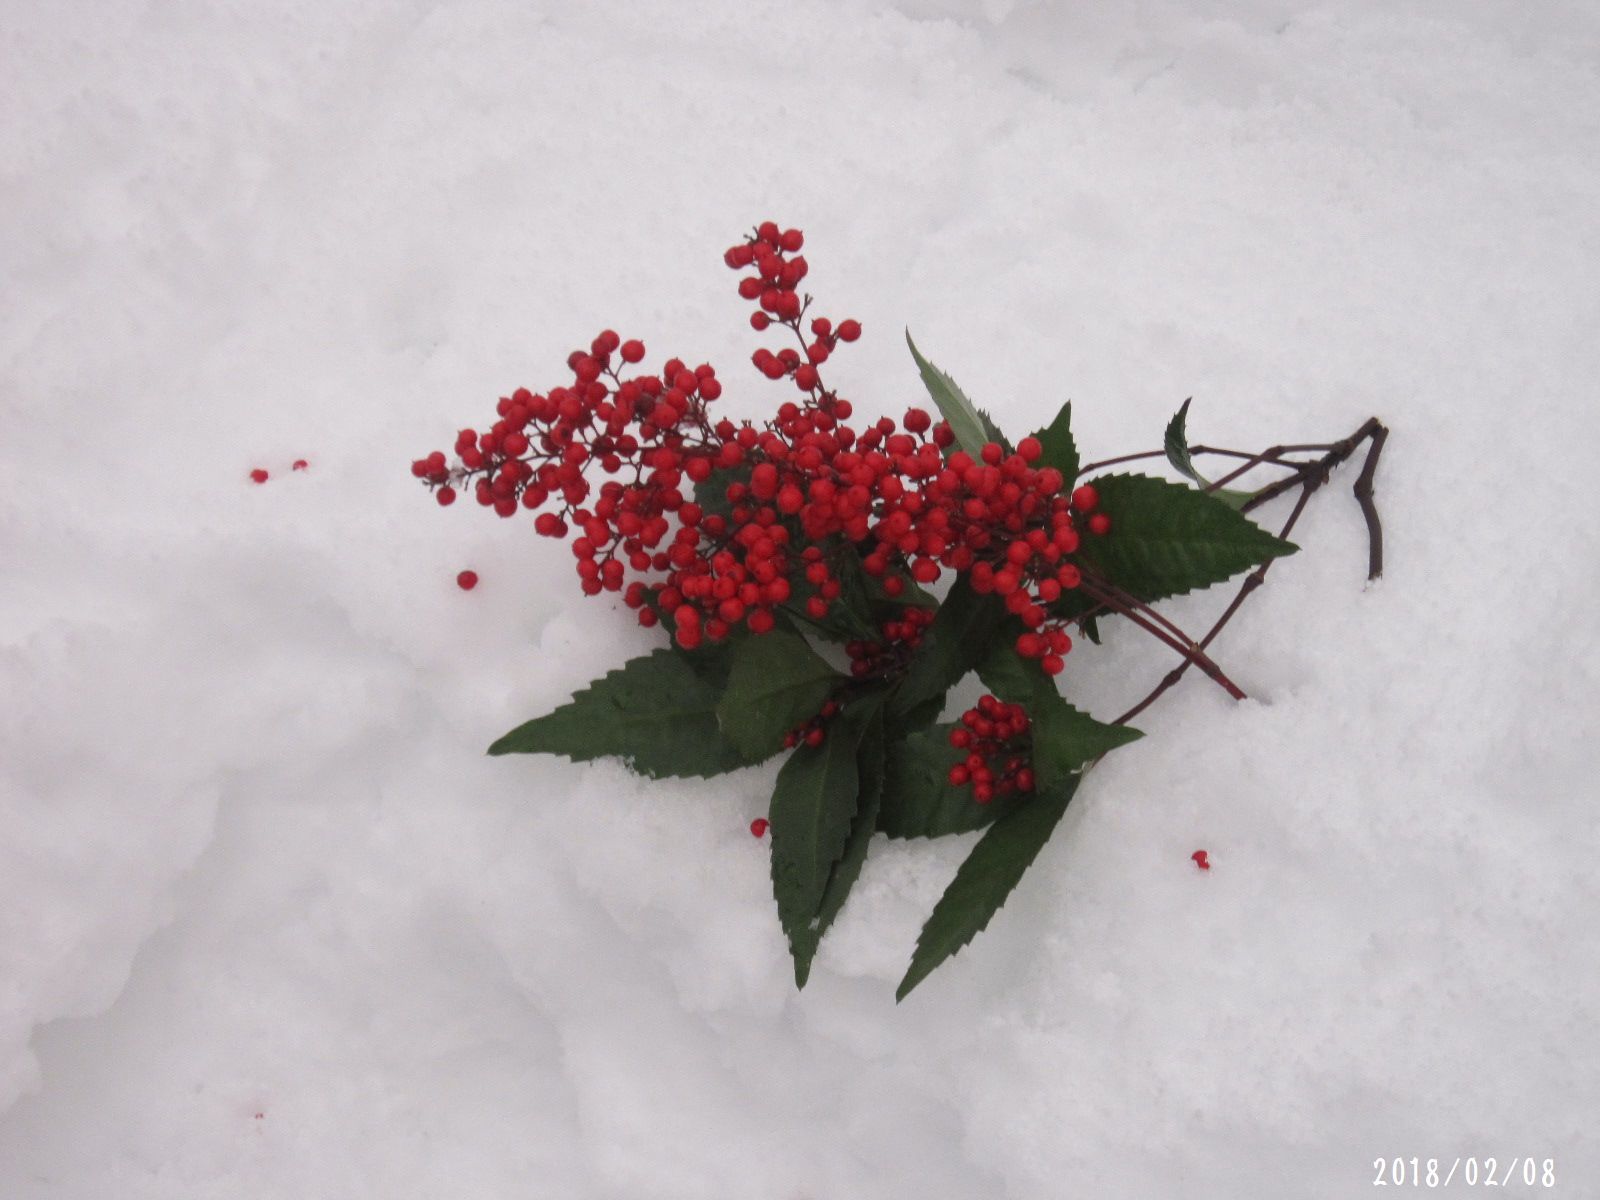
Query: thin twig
1308 477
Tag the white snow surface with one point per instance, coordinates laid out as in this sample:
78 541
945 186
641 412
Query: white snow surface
274 926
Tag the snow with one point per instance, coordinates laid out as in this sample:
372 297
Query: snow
273 926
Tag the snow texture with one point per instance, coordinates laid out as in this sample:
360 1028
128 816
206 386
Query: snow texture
272 924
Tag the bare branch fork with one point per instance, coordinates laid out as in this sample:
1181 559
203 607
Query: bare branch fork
1306 475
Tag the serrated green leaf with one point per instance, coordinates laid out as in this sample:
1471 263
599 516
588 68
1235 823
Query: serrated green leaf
775 682
915 719
1167 539
960 635
870 773
1177 444
1059 449
813 812
711 493
918 797
969 427
986 879
991 431
1177 447
1063 737
658 713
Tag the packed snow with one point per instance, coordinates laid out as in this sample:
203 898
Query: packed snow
274 926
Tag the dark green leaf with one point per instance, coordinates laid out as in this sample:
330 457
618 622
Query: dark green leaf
1060 450
1177 444
1063 738
1167 539
776 681
985 879
959 636
711 493
916 718
992 431
869 772
813 812
918 798
656 712
970 428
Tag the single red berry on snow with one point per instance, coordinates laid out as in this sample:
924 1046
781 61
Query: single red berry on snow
258 476
758 827
467 580
1200 860
300 464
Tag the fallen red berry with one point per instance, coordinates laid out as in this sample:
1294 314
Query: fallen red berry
1200 860
300 464
758 827
258 475
467 580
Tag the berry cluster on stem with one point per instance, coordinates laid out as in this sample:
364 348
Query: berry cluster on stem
998 740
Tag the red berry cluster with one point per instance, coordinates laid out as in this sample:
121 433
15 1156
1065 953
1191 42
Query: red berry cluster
901 637
813 732
998 740
789 497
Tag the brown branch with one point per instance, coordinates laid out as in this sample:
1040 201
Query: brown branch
1121 602
1309 477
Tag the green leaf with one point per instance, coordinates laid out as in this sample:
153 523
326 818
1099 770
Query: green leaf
1063 738
918 798
992 431
915 719
1177 446
1167 539
985 879
711 493
1060 450
959 636
972 430
813 813
776 681
869 772
657 712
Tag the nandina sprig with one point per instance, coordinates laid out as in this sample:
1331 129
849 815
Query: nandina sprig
758 542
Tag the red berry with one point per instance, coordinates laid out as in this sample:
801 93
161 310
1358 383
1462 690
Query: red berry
446 496
1085 498
300 464
467 580
848 331
1030 448
758 827
815 737
1200 860
1100 524
258 475
632 351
